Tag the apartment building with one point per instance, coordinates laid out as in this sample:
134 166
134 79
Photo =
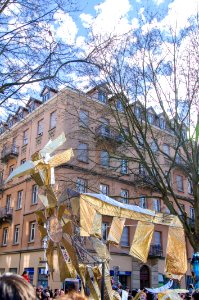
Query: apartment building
86 123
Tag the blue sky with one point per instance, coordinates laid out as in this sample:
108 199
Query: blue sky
104 17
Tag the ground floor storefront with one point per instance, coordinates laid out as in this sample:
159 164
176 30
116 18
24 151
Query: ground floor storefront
131 273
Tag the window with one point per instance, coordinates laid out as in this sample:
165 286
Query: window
32 231
82 152
5 236
167 178
166 149
31 107
192 213
142 170
162 123
179 183
23 161
20 115
138 112
25 137
119 105
140 141
104 189
125 237
190 187
1 177
104 128
8 203
30 274
182 208
46 96
124 196
13 270
53 120
10 123
83 118
154 146
157 238
11 168
178 158
151 118
156 205
143 202
104 159
42 277
102 97
40 128
104 231
16 234
19 199
2 270
81 185
34 194
124 166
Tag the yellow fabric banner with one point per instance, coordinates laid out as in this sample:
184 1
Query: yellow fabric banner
116 230
142 240
176 259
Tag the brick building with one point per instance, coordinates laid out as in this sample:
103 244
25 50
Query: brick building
86 123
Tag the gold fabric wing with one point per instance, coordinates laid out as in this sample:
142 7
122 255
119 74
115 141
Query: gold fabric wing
116 230
176 258
142 240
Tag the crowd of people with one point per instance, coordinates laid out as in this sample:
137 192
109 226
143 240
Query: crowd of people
16 287
137 294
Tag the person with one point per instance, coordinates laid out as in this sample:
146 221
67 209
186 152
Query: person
62 293
73 296
195 296
140 295
39 294
14 287
25 276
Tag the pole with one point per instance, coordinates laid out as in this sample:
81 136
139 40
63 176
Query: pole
103 280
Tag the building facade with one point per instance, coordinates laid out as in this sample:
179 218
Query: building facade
87 125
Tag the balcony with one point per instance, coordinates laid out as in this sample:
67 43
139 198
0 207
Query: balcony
155 251
9 152
6 214
144 180
104 132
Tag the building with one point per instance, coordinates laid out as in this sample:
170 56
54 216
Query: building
89 129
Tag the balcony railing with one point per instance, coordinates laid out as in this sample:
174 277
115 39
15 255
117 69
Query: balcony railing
105 132
143 179
9 152
155 251
6 214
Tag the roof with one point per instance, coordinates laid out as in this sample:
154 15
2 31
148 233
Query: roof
32 99
49 88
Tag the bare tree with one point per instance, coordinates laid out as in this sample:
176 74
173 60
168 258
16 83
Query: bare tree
151 84
30 51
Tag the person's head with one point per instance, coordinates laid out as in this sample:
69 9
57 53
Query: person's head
14 287
47 295
62 292
24 273
195 296
142 296
73 296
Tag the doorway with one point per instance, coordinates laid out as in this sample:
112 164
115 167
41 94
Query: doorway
144 277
